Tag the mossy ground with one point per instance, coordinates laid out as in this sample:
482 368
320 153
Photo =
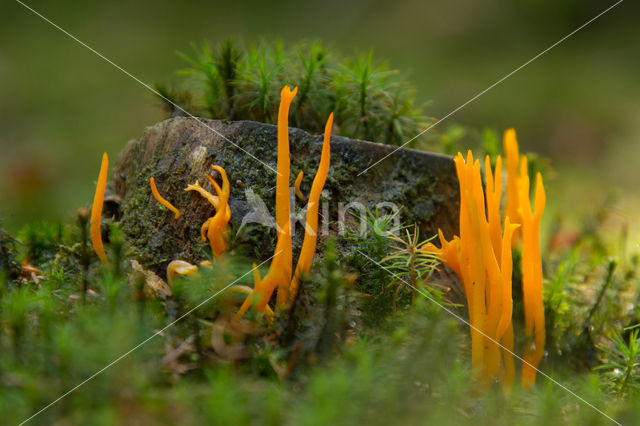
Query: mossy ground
340 356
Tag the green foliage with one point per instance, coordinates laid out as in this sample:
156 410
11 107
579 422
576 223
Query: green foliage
374 282
622 363
173 102
589 294
409 265
335 302
451 138
332 358
369 100
41 240
9 266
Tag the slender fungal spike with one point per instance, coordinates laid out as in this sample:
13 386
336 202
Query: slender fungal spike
512 161
283 207
161 200
280 275
96 210
311 225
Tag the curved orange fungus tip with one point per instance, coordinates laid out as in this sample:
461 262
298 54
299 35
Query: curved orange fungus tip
226 188
481 257
280 276
311 225
96 210
180 268
162 200
213 199
512 153
215 229
296 186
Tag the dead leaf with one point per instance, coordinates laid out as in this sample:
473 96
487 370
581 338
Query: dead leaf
154 286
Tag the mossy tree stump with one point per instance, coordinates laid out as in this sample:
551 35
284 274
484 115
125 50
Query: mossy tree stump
180 150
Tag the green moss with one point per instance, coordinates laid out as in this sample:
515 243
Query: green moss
228 81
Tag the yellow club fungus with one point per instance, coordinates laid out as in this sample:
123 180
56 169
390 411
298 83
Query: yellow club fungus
277 277
483 270
528 236
511 151
96 210
213 199
296 186
283 208
532 274
280 274
311 225
481 257
215 229
161 200
180 268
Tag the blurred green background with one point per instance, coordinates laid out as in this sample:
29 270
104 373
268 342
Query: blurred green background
61 106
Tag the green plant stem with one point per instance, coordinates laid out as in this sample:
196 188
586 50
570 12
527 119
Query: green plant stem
611 267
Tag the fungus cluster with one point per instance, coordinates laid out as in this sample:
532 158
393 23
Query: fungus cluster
215 229
529 240
481 257
281 275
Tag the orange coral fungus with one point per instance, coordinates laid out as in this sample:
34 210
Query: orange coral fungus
280 275
481 257
519 205
180 267
532 274
96 210
510 146
161 200
283 208
277 277
311 225
215 229
296 186
213 199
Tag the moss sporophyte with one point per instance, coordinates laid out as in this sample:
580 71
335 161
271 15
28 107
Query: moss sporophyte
481 257
215 230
